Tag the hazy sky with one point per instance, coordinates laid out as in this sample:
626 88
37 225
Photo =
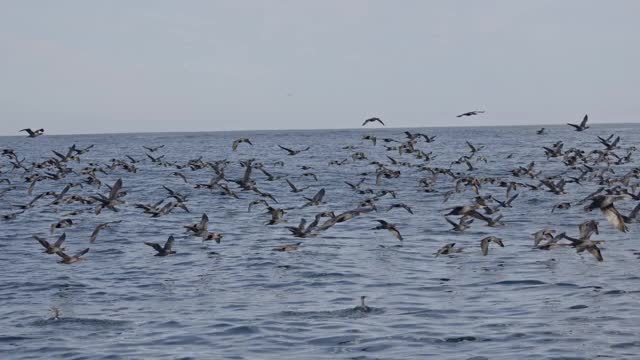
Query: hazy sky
122 66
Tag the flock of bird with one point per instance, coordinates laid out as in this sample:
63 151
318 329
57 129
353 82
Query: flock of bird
596 167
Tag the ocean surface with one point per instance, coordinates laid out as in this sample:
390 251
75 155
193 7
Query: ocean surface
241 300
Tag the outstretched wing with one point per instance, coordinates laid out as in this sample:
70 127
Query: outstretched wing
42 242
584 121
157 247
80 253
60 240
169 244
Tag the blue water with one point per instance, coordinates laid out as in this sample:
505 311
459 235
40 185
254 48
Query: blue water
241 300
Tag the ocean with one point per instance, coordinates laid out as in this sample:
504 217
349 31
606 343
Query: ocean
239 299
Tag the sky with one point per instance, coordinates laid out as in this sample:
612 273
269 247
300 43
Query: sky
148 65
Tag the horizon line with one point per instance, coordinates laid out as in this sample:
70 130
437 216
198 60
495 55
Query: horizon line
315 129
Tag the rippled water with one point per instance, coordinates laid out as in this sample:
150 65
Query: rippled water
238 299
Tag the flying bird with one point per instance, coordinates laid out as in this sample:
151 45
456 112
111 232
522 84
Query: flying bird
66 259
163 250
471 113
32 133
583 125
484 243
237 142
371 120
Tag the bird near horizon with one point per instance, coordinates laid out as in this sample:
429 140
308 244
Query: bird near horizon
371 120
583 125
32 133
471 113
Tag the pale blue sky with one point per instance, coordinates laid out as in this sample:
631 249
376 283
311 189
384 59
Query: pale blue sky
123 66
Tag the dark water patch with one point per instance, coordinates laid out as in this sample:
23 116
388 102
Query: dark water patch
576 307
458 339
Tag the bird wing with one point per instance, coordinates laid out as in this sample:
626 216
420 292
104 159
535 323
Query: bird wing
584 121
396 233
94 234
42 242
380 121
63 255
169 244
595 251
484 245
204 222
60 240
115 189
293 187
318 197
80 253
157 247
615 218
473 149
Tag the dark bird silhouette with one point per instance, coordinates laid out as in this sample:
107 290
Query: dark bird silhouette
401 206
112 200
66 259
293 152
583 125
294 189
471 113
448 249
237 142
107 225
373 119
49 248
388 226
484 243
461 226
163 250
153 149
605 204
32 133
316 199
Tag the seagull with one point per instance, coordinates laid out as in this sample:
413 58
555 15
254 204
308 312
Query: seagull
373 119
484 243
66 259
293 152
239 141
471 113
448 249
315 200
461 226
32 133
294 189
605 204
107 225
112 200
51 249
583 125
403 206
388 226
163 251
153 149
540 235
